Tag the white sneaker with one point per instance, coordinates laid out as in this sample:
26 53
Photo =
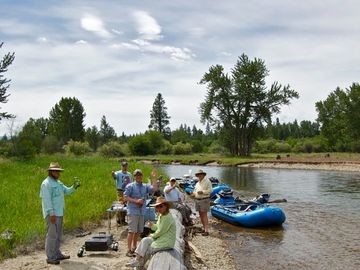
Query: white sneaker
135 262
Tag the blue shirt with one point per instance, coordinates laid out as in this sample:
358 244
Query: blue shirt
122 179
52 196
173 195
137 191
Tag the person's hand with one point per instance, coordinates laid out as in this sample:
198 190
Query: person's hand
200 192
53 219
113 174
148 224
76 183
140 201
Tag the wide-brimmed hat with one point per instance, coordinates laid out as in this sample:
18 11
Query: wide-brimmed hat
54 166
137 171
200 172
161 200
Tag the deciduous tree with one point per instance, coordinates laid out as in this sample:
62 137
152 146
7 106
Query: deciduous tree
240 103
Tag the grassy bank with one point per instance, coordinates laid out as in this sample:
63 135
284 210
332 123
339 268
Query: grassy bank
20 205
203 159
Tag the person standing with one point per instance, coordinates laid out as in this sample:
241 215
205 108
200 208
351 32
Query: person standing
135 195
52 193
201 194
122 178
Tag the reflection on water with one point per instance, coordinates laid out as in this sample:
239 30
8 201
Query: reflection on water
323 217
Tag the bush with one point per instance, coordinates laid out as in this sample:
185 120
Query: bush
216 148
197 146
156 140
51 145
77 148
112 149
166 149
182 148
140 145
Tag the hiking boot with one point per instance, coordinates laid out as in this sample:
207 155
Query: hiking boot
50 261
63 257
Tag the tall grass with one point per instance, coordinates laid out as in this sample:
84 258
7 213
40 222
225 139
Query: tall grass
20 204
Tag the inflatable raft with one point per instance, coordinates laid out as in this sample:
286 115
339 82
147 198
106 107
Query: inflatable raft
250 215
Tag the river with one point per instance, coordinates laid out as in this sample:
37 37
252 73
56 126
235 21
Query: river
322 227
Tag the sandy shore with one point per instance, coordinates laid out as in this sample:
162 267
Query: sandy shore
204 258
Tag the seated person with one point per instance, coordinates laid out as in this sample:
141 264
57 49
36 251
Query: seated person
162 239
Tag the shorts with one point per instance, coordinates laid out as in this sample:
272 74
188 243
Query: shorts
136 224
202 205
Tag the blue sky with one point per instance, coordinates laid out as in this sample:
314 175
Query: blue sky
115 56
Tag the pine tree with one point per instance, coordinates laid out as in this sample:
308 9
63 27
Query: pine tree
4 83
107 132
159 119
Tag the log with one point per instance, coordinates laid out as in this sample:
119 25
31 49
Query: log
197 253
171 259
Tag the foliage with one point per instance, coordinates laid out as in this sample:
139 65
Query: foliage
182 148
141 145
107 132
4 83
156 139
339 116
66 120
92 136
238 104
166 148
34 131
112 149
77 148
159 119
51 145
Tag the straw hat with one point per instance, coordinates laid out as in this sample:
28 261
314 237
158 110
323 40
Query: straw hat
54 166
161 200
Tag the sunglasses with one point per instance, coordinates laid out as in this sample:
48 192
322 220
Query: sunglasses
160 206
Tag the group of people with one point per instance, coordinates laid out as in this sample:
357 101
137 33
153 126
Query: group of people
133 193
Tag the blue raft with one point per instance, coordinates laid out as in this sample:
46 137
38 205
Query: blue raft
253 215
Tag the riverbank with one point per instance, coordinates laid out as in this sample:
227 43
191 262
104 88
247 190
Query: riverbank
318 161
197 255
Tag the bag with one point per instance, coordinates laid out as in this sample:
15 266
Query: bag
100 242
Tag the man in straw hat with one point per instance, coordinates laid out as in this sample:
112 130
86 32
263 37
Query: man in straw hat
135 195
201 195
162 239
52 193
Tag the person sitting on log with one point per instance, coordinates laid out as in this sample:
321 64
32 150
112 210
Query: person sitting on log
162 239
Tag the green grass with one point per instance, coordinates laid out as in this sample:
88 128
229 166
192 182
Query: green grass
20 204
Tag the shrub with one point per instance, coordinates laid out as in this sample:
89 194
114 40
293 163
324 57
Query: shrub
197 146
216 148
51 145
182 148
112 149
77 148
166 149
140 145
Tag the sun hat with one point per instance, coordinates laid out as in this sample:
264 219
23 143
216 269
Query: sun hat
160 200
138 171
172 179
200 172
54 166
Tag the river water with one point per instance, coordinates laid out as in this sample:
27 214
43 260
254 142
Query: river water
322 227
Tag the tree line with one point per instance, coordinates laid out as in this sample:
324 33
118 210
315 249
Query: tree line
237 110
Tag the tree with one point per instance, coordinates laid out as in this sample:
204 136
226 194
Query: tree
107 132
240 103
66 121
92 136
34 131
4 83
159 119
339 116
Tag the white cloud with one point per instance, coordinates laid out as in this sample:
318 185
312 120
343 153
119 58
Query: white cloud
147 26
81 41
95 25
42 39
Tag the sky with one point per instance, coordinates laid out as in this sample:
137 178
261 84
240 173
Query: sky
115 56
